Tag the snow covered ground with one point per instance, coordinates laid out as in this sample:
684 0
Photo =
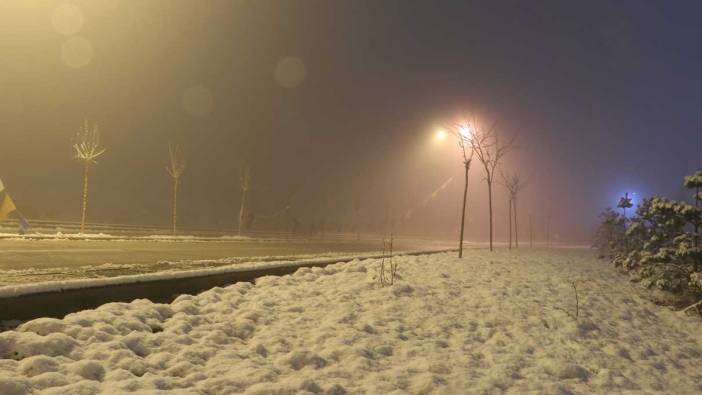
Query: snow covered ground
489 323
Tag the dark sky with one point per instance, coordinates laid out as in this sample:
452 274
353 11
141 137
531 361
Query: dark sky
330 98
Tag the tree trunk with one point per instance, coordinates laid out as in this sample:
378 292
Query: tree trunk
463 213
175 204
516 228
242 209
358 226
531 232
489 182
510 222
85 198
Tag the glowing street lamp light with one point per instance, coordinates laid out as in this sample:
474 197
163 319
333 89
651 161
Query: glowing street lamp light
441 135
465 133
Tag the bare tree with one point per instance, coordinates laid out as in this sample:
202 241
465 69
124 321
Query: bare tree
548 229
293 222
357 211
514 185
463 134
490 151
531 232
87 149
245 212
175 169
324 220
387 215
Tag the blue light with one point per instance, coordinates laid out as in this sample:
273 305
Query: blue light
635 197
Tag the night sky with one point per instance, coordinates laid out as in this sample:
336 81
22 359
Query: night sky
337 99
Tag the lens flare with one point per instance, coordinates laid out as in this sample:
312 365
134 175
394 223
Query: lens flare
67 19
77 52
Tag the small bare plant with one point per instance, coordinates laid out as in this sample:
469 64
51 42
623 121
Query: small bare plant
577 304
389 272
175 169
87 149
577 301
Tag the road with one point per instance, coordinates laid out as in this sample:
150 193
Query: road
43 254
31 261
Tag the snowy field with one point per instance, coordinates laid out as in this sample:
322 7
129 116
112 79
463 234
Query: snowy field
489 323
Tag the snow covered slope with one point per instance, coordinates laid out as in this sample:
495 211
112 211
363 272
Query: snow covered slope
488 323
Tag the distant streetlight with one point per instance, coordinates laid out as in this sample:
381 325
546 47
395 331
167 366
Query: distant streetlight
441 135
624 203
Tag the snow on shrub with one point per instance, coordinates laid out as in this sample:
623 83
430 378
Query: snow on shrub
659 246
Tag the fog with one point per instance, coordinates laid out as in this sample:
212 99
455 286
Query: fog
340 102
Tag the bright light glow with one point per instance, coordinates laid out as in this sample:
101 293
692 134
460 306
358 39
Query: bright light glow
441 135
465 132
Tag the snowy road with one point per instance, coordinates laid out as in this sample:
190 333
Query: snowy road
32 261
490 323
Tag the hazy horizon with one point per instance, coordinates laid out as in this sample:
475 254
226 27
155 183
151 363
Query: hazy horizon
334 100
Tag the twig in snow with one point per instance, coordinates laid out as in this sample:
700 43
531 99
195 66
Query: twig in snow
696 306
389 277
577 304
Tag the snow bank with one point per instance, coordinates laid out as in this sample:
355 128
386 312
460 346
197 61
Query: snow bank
488 323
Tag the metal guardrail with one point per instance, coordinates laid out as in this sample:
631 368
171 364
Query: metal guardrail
46 229
68 227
